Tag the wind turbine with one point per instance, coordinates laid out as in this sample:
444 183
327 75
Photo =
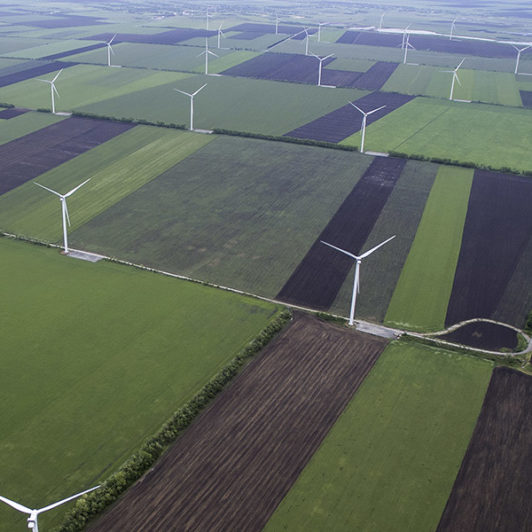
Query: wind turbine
306 40
453 27
356 283
64 208
52 88
207 52
220 34
455 77
34 514
380 22
519 50
365 116
319 29
191 96
110 50
276 24
407 45
321 60
405 33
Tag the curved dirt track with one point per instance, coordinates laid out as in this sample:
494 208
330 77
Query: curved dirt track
233 466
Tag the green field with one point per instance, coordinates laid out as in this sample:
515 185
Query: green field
10 44
97 357
488 87
116 168
238 212
159 56
469 132
422 293
23 124
84 84
242 104
400 216
390 461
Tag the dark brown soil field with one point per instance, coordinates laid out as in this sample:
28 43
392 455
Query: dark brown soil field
74 51
492 490
318 278
234 465
6 114
375 77
526 98
497 228
33 72
429 43
166 37
483 335
27 157
345 121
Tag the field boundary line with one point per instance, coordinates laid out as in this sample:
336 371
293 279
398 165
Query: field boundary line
361 325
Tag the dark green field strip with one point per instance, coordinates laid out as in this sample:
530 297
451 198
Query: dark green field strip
239 212
400 216
497 229
492 490
25 158
516 302
316 281
389 462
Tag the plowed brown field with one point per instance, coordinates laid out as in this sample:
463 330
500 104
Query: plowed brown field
231 468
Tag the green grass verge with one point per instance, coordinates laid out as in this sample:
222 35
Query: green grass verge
390 461
483 134
21 125
239 212
422 293
95 358
85 84
400 216
116 168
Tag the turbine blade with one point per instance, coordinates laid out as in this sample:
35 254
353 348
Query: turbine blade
327 56
112 38
16 505
48 189
202 87
183 92
55 504
111 49
340 249
76 188
364 255
358 108
375 110
460 64
57 75
212 53
457 79
204 52
45 80
55 90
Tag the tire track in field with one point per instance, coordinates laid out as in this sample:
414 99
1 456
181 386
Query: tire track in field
233 466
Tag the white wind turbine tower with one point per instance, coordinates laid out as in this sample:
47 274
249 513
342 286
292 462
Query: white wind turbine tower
407 45
276 24
453 27
356 283
191 96
52 88
320 24
321 60
110 50
64 209
34 514
380 22
455 77
365 116
207 52
519 51
220 35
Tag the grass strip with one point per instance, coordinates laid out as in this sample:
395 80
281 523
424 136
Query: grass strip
420 299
